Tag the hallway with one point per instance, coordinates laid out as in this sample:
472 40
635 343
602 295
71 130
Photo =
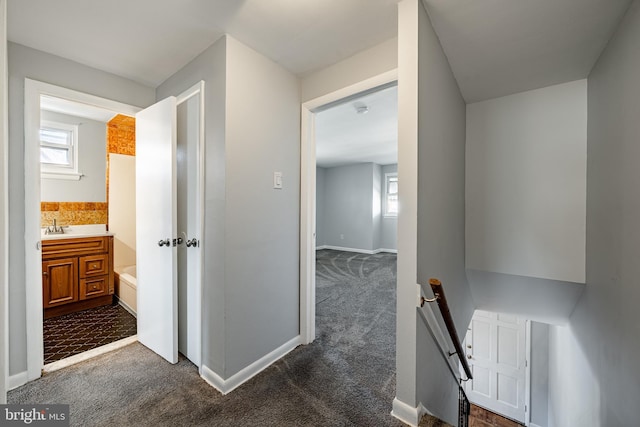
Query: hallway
345 378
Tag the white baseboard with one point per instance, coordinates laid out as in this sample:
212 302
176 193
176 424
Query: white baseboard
360 251
407 413
533 425
18 380
389 251
236 380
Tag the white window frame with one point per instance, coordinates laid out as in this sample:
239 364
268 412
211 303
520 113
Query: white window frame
70 172
386 212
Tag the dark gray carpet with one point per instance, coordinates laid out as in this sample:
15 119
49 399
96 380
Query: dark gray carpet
345 378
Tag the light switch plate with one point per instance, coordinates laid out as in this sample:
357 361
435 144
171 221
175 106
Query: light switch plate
277 180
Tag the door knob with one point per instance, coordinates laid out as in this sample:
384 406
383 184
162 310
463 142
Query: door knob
193 242
166 242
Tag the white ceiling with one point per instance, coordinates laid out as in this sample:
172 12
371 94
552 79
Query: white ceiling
77 109
344 137
495 47
500 47
149 40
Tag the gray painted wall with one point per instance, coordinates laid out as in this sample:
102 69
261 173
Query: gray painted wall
376 206
441 209
262 224
347 206
389 225
605 322
210 66
320 204
549 301
526 183
92 163
440 128
37 65
539 373
251 284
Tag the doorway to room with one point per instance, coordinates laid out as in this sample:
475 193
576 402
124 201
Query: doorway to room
90 276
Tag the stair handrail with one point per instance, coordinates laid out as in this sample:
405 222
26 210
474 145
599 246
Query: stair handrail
441 299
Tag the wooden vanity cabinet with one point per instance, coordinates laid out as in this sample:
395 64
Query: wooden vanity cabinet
77 274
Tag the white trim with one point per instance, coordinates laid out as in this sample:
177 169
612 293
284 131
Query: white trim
385 199
239 378
33 89
72 176
308 196
407 413
198 89
56 170
361 251
17 380
534 425
4 209
90 354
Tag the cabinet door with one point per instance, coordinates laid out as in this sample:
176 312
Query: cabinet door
59 281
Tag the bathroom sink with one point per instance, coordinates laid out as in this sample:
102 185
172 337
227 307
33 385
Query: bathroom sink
77 231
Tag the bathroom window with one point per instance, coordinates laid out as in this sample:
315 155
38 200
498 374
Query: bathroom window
391 194
59 150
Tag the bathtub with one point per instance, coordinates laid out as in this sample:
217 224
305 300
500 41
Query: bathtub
126 287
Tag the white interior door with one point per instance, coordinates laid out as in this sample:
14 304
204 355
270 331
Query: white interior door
495 345
156 253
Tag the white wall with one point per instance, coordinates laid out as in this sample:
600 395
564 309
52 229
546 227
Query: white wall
37 65
605 322
92 163
526 183
122 208
431 170
388 224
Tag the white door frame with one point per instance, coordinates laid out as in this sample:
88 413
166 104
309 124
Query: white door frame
198 89
4 208
33 89
308 196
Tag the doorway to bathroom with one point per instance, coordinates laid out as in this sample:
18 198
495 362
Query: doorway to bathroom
87 169
112 243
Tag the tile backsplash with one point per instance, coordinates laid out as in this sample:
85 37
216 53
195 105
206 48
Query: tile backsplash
73 213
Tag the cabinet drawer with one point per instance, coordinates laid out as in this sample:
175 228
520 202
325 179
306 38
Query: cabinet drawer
94 287
56 248
94 265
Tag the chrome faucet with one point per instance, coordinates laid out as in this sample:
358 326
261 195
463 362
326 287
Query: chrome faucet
54 229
